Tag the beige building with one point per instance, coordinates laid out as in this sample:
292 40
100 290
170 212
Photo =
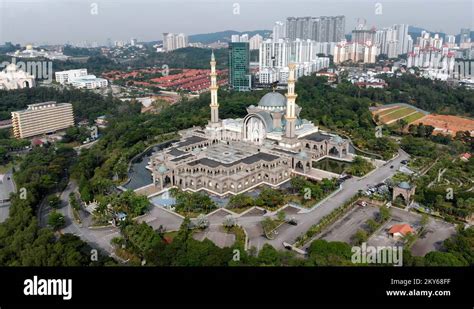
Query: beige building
230 156
42 118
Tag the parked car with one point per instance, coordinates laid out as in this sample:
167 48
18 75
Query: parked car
292 221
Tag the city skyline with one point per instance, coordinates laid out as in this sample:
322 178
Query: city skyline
147 20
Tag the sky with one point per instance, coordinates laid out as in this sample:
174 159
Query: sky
73 21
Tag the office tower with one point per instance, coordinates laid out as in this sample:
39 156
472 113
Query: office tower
279 31
42 118
255 42
239 66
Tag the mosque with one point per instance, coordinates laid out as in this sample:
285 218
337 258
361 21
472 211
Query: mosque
14 78
230 156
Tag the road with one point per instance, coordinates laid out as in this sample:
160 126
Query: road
307 219
100 238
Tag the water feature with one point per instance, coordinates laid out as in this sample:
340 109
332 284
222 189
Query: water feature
138 174
332 165
163 200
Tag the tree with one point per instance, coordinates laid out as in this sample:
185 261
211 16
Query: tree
54 201
384 214
270 198
424 220
359 237
202 222
269 256
240 201
436 258
56 220
281 215
229 221
372 225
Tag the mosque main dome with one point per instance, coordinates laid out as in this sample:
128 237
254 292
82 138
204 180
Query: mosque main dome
273 99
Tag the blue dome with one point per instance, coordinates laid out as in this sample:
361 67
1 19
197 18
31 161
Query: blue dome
273 99
404 185
302 155
162 169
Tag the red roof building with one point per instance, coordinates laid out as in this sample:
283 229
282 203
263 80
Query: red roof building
401 230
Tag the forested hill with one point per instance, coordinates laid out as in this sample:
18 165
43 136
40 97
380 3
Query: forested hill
86 104
430 95
224 36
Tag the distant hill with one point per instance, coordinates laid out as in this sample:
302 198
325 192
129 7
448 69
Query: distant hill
224 36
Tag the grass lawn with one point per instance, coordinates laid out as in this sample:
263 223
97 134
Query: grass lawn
414 117
402 112
387 111
5 168
238 232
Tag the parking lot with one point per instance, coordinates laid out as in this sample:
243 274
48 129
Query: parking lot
436 232
217 235
347 226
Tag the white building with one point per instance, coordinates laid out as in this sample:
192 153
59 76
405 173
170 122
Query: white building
279 31
14 78
275 56
274 53
356 52
88 82
435 63
64 77
393 41
255 41
172 41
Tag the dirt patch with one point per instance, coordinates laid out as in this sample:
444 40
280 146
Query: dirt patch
447 124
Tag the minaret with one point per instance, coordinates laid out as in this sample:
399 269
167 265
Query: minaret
214 105
290 104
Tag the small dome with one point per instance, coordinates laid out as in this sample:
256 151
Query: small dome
337 139
404 185
162 169
302 155
273 99
11 67
196 150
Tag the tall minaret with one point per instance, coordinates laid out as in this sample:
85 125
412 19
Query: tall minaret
290 104
214 105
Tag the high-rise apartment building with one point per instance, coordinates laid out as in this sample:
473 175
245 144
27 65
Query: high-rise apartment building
394 41
239 66
172 41
279 31
355 52
255 41
320 29
465 36
42 118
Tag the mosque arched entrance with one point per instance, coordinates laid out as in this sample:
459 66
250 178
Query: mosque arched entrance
254 129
